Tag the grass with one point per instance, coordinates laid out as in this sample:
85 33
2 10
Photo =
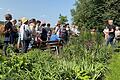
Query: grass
84 58
114 66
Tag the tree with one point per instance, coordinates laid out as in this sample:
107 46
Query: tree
63 19
94 13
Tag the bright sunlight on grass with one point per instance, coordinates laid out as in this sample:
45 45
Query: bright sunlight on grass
114 72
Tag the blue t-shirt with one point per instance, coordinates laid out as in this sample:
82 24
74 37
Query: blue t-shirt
54 37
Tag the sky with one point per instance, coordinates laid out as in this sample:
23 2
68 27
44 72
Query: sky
45 10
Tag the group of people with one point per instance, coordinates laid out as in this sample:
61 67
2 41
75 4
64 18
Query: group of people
26 32
112 33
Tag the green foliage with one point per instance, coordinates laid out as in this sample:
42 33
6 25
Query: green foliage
94 13
63 19
78 61
114 72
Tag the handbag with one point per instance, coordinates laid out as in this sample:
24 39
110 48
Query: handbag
27 34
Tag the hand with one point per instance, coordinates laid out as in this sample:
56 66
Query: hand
8 30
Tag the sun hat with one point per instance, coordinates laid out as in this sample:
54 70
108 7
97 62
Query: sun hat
24 20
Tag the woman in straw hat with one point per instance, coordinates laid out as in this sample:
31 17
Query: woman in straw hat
25 34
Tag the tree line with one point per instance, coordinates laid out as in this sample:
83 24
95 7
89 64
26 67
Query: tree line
95 13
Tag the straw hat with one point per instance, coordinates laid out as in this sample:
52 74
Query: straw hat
24 20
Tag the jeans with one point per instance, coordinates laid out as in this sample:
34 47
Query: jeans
110 40
25 44
12 38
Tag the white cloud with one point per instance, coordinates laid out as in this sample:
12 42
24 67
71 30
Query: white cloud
1 8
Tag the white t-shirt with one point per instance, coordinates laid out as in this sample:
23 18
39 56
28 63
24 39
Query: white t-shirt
117 33
22 29
57 30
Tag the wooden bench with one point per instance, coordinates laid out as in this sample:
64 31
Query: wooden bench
53 45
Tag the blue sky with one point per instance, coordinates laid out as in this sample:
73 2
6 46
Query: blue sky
46 10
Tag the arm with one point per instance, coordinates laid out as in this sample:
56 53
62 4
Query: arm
21 32
112 30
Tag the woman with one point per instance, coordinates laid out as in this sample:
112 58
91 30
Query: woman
38 40
14 32
25 33
106 33
58 30
19 40
32 24
38 26
117 34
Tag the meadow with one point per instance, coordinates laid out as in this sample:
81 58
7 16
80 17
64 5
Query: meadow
83 58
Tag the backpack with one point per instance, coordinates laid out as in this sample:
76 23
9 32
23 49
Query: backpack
27 34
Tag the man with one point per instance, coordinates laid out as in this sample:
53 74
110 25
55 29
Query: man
7 32
44 32
64 34
111 28
48 29
38 26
